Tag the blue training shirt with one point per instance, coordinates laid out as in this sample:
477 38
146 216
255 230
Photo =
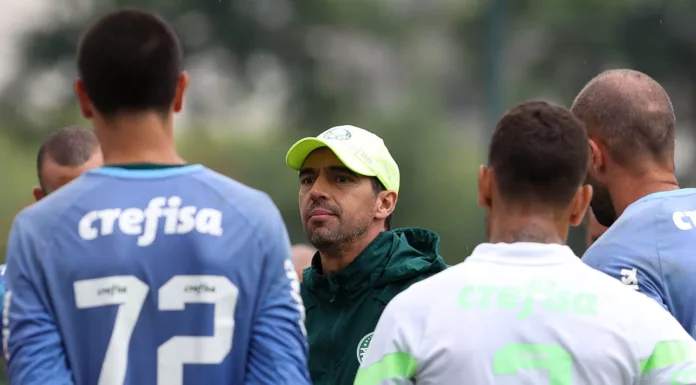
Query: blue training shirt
172 276
3 267
651 248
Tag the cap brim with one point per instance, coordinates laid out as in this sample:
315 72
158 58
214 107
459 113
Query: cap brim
299 152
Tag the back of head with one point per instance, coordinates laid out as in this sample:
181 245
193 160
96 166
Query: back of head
539 155
70 147
130 61
631 114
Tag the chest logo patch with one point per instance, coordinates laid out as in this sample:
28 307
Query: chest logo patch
363 345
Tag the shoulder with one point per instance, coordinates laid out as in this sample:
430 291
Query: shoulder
670 211
640 315
618 301
641 231
676 224
43 216
249 206
631 236
238 196
401 306
422 293
231 189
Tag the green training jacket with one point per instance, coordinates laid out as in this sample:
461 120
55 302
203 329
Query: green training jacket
343 308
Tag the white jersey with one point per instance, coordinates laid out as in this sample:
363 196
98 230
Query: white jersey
526 313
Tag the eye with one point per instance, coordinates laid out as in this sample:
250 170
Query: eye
342 179
306 180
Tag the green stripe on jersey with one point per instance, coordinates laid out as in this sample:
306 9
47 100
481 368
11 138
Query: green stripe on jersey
391 366
668 353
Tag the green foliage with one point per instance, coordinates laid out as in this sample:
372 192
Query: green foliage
436 50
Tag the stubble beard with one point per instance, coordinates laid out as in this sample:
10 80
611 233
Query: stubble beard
601 204
332 241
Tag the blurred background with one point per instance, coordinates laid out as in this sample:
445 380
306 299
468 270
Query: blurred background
429 76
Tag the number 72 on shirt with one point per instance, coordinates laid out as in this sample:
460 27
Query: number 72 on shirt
129 294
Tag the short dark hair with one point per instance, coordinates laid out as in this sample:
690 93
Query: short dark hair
377 187
631 113
539 153
130 61
70 147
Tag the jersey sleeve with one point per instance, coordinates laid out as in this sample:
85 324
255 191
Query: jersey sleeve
34 345
3 345
391 357
669 357
278 347
626 260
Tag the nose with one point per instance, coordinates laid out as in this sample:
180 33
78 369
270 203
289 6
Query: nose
319 189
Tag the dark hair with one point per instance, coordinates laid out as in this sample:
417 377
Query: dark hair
378 187
130 61
539 153
70 147
631 113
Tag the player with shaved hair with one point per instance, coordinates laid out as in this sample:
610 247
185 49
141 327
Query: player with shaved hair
523 309
652 222
64 156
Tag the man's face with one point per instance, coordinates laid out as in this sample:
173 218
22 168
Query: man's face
55 176
601 202
337 206
594 229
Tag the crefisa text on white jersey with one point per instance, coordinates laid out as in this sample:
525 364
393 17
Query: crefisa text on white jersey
144 222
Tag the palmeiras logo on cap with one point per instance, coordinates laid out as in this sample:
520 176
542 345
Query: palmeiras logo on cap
363 345
337 133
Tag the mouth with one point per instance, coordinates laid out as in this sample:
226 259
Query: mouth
320 215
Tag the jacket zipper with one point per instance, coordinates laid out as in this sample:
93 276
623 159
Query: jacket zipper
335 330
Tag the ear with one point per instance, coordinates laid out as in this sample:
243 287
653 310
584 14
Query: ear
181 86
579 205
86 106
598 160
388 204
485 187
38 193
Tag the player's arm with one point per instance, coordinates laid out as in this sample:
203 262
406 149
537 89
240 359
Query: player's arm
629 265
668 353
278 348
391 359
34 346
3 269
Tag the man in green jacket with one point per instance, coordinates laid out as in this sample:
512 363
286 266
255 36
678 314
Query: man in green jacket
349 186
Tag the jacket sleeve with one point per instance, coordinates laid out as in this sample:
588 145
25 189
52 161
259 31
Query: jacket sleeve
391 358
278 344
34 345
630 266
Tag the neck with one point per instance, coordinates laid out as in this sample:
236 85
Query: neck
137 138
627 189
536 228
336 258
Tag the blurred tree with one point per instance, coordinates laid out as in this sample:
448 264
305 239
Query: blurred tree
412 71
292 32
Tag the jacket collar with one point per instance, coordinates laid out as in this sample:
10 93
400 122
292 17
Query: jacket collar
358 275
393 256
